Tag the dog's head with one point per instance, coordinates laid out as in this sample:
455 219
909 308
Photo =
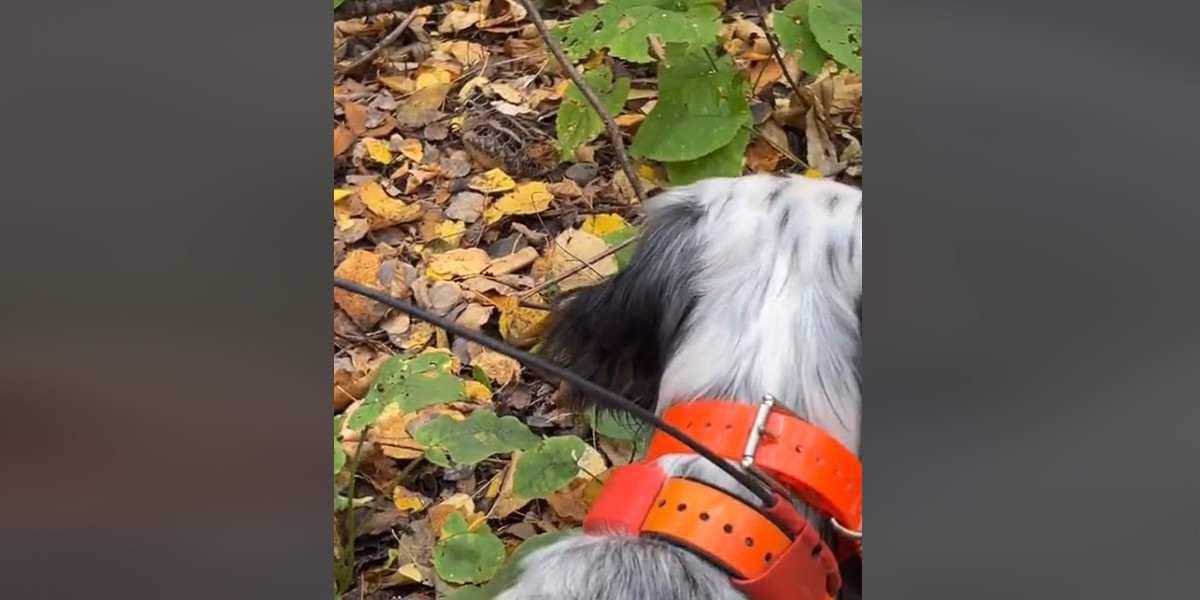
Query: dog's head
739 287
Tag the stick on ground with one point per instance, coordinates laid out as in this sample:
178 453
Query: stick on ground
614 133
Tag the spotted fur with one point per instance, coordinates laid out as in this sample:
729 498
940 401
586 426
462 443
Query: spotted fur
740 287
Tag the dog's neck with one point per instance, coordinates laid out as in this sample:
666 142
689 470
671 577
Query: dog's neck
777 314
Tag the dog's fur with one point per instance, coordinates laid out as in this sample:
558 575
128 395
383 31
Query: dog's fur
740 287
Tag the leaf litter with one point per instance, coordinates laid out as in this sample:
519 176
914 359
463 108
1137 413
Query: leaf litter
458 454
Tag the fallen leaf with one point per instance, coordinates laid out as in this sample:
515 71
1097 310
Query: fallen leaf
341 194
467 53
475 316
356 117
458 503
389 211
450 231
402 85
343 140
457 263
501 369
378 150
762 158
603 224
478 392
362 267
433 78
519 325
573 248
412 150
513 262
508 92
407 501
527 199
491 182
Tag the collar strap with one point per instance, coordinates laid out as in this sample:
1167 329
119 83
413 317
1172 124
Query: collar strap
798 454
771 555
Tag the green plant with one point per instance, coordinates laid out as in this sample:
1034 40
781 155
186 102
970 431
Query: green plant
701 125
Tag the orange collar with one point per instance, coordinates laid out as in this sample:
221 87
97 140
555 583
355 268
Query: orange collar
771 555
794 452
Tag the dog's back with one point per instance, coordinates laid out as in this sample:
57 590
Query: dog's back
739 287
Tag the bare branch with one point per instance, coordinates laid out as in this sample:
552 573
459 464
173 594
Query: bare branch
388 40
614 133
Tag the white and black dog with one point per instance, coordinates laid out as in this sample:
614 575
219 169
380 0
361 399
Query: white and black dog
739 287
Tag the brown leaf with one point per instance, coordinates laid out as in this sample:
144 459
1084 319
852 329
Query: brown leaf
361 267
513 262
343 140
356 117
571 249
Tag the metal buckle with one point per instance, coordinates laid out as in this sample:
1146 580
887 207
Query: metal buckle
845 531
760 425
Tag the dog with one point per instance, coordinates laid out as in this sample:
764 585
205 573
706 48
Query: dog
739 287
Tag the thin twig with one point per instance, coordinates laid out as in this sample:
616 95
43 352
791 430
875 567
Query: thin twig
614 133
762 16
585 265
384 43
353 9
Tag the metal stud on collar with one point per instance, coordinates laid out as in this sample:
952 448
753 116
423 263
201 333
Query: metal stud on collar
845 531
760 425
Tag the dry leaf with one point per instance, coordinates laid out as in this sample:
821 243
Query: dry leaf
491 182
457 263
573 248
477 392
389 211
467 53
450 231
513 262
519 325
361 267
402 85
528 199
501 369
475 316
603 224
762 158
378 150
419 335
412 149
407 501
356 117
343 140
508 92
460 503
434 77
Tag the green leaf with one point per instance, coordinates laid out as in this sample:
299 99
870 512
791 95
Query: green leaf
624 255
624 27
414 383
339 456
474 439
337 3
508 574
702 105
614 425
726 161
548 467
467 556
365 414
795 33
577 122
837 26
482 377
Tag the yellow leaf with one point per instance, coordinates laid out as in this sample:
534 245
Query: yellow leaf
418 336
508 92
492 182
521 326
407 501
389 210
493 488
402 85
378 150
501 369
451 231
460 503
812 173
573 246
478 392
528 199
434 77
457 263
603 224
413 150
341 194
390 432
411 572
